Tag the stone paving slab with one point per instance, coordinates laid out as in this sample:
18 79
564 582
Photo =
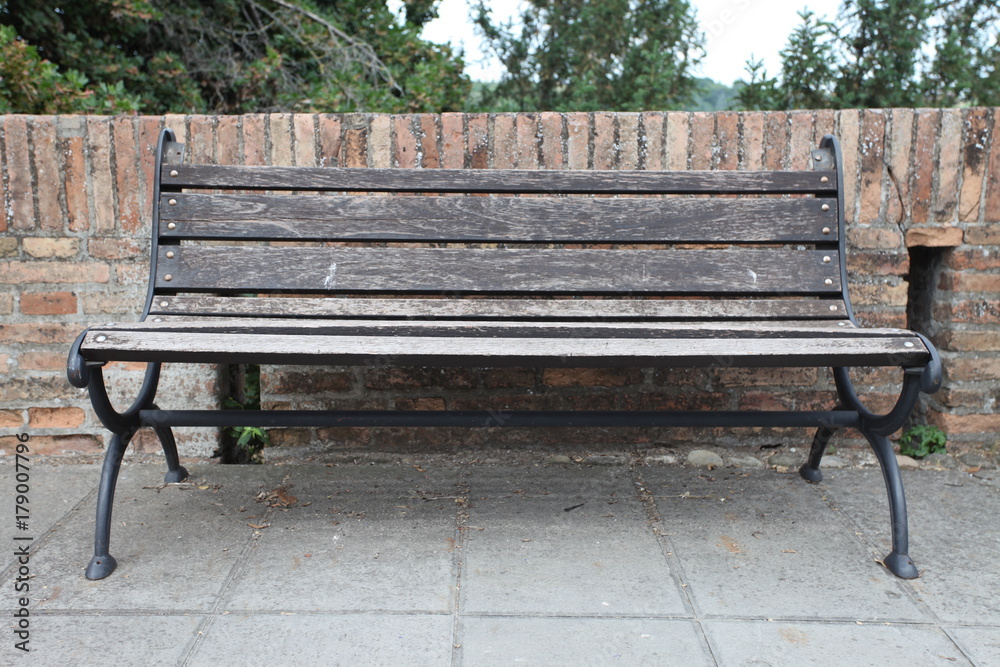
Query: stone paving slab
489 564
764 545
955 545
562 541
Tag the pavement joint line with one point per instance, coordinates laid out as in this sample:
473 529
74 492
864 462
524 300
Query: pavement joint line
668 552
457 561
235 572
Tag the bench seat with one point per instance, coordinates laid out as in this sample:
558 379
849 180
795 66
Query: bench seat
496 343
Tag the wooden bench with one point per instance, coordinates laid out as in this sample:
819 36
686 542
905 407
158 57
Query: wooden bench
500 267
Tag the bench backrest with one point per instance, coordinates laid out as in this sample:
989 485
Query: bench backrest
521 243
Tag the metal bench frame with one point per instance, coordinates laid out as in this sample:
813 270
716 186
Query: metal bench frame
920 362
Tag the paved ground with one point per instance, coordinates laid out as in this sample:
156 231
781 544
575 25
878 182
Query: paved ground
500 564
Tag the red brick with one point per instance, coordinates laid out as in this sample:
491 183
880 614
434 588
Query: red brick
953 424
11 418
508 377
899 139
20 210
825 123
877 263
307 382
752 130
850 129
591 377
628 140
970 282
380 142
149 134
132 274
54 445
479 140
115 248
53 272
604 155
776 140
970 341
797 400
113 301
922 177
702 139
948 166
227 142
504 142
983 234
880 293
652 140
933 237
978 311
879 238
75 174
976 259
39 332
578 140
42 361
678 138
452 141
436 403
872 149
407 148
254 139
304 131
22 387
329 140
127 173
48 303
975 143
405 377
695 401
49 248
738 377
800 140
101 175
552 140
965 369
526 129
55 417
355 147
727 140
429 134
991 208
280 131
48 174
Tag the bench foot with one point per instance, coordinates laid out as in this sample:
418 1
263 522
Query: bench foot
898 561
175 471
901 565
810 469
103 564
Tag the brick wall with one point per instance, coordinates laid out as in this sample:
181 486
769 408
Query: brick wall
920 182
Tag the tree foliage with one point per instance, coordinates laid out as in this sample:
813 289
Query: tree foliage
576 55
887 53
224 56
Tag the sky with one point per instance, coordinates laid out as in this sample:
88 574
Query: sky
734 30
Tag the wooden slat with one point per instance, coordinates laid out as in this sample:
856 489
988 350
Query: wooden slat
510 328
556 309
487 351
461 270
511 219
497 180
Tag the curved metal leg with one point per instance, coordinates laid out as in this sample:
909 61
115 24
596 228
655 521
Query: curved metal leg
810 469
898 561
175 471
103 563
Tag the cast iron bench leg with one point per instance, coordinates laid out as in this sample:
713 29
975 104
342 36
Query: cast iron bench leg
810 469
175 471
898 561
103 563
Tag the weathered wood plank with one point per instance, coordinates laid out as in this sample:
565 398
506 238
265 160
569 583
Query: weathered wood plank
509 328
540 219
498 180
557 309
484 351
464 270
